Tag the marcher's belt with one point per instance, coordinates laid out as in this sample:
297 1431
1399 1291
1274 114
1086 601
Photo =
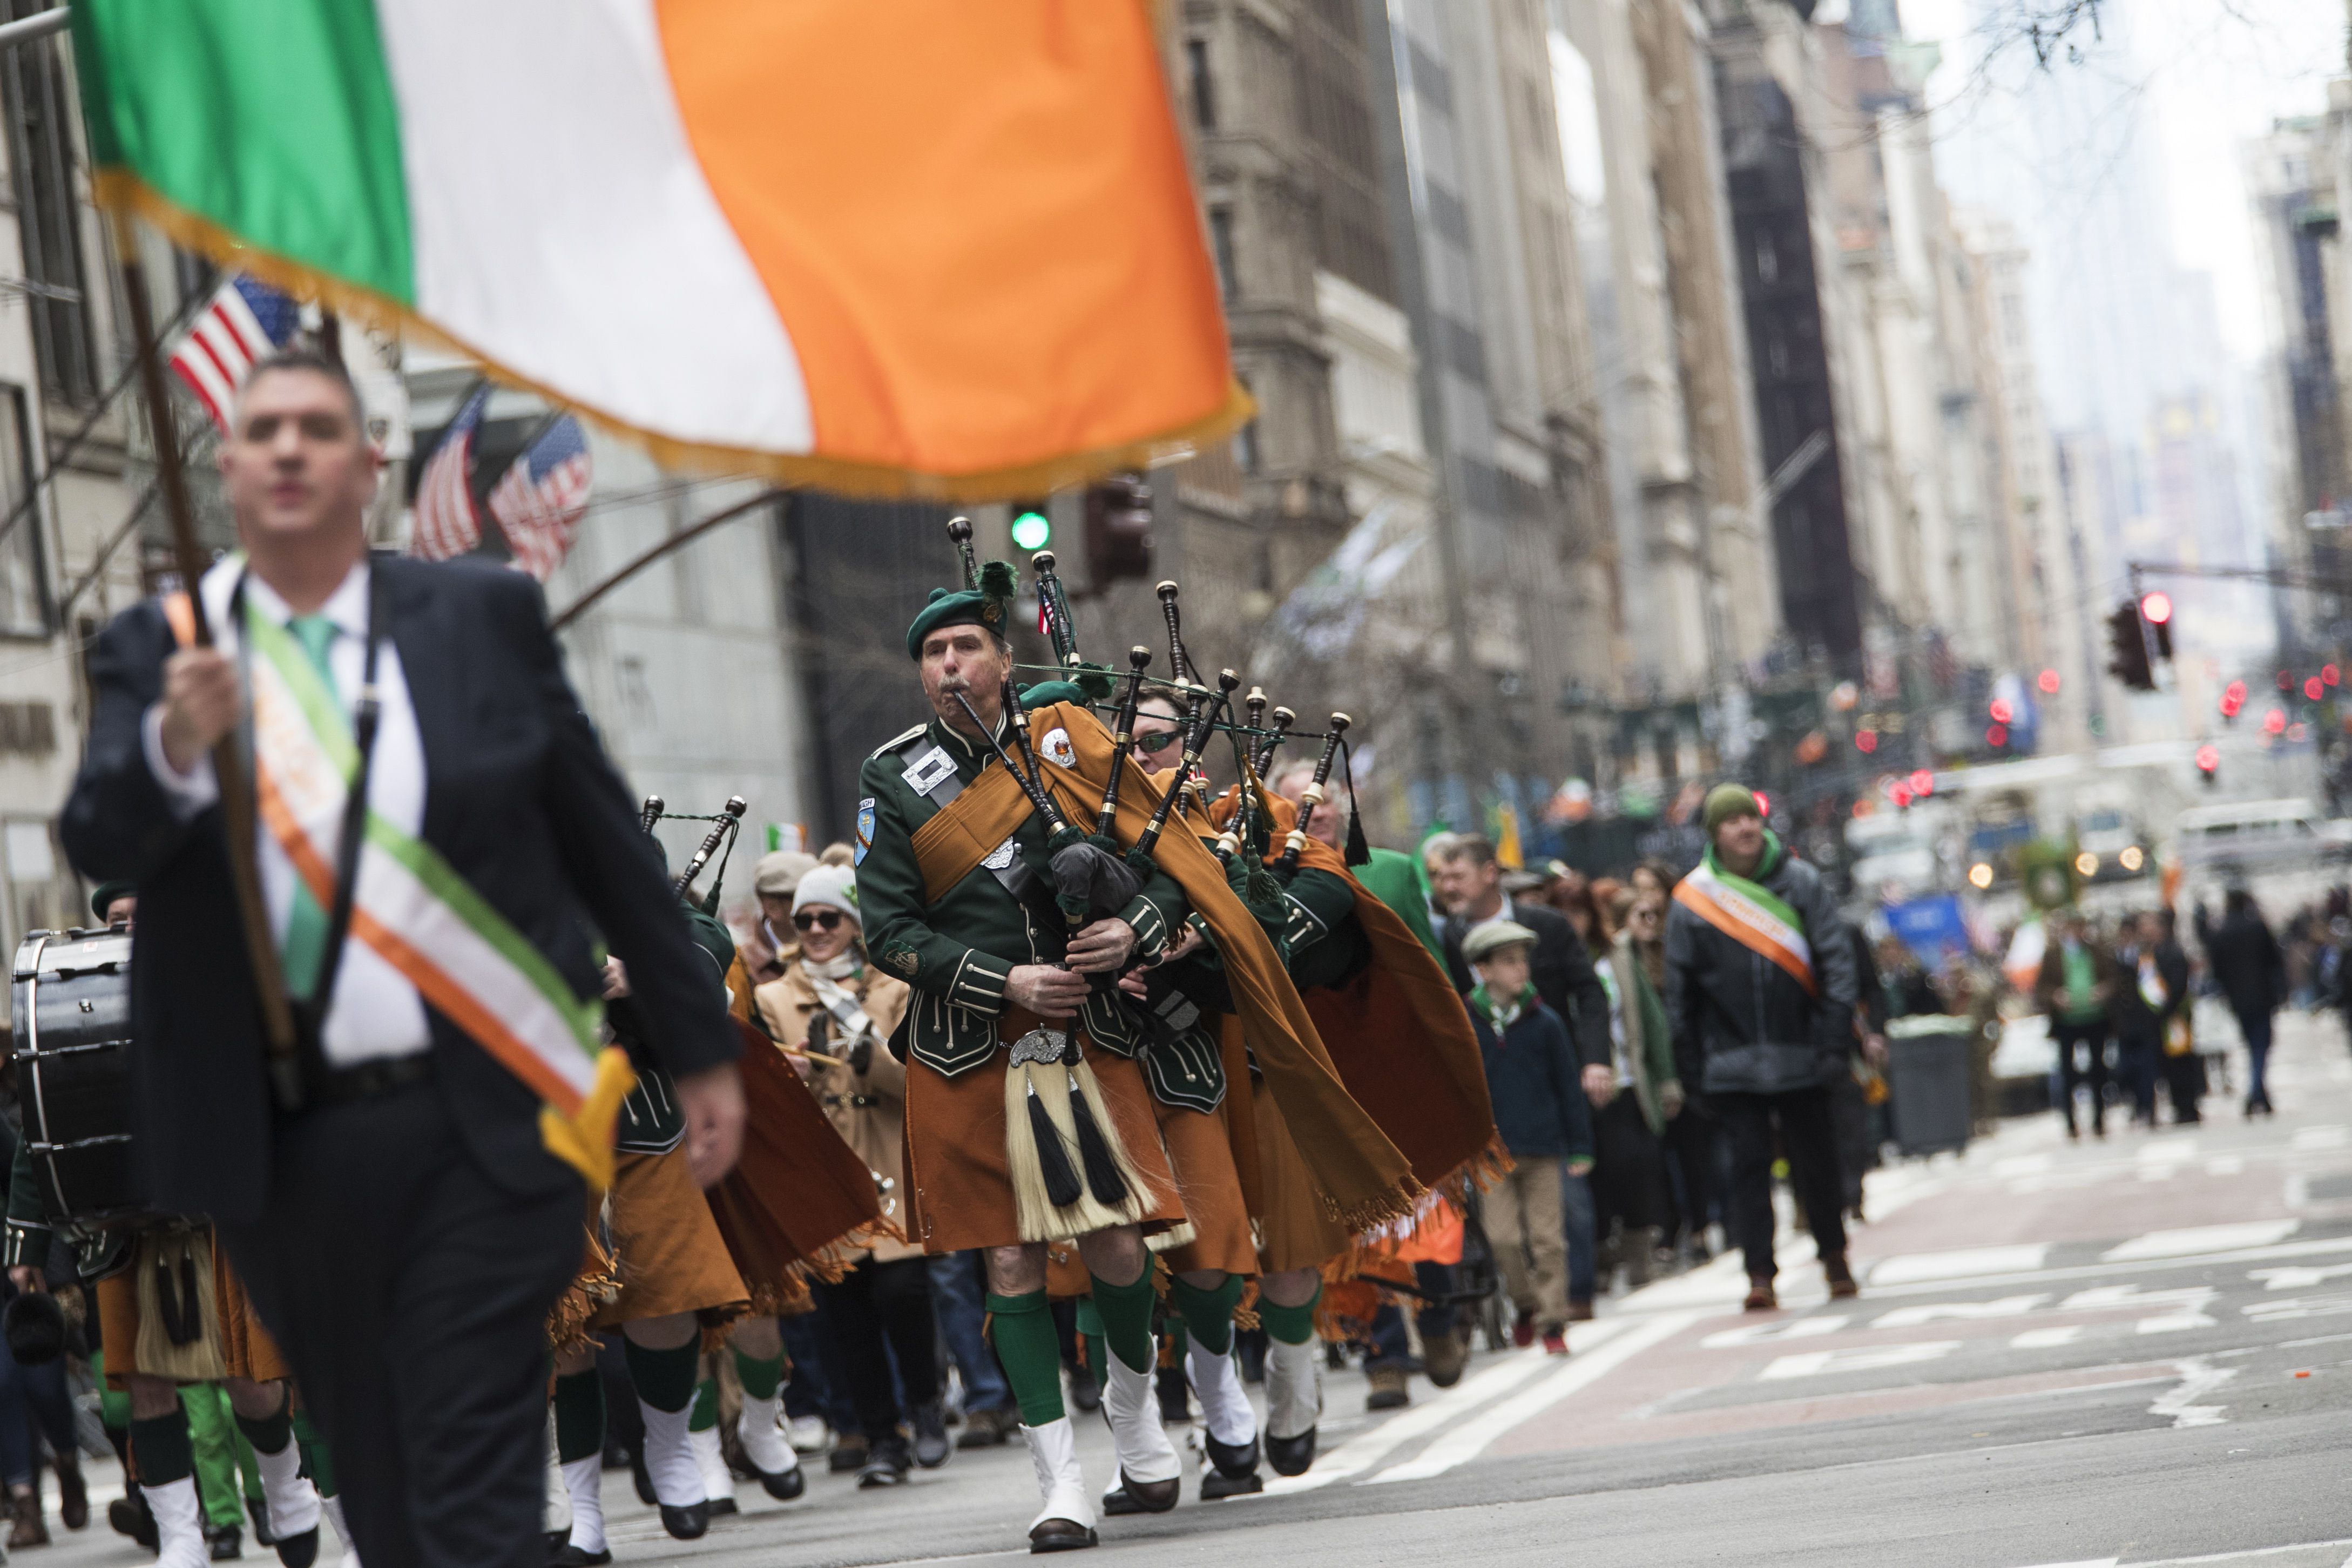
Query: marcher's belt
855 1101
340 1086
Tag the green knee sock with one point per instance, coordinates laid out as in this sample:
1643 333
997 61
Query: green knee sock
706 1406
665 1379
1127 1317
760 1379
271 1433
1209 1314
1291 1325
1090 1333
579 1415
161 1445
1022 1329
316 1460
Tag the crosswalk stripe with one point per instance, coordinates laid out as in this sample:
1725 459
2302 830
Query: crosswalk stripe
1364 1450
1472 1439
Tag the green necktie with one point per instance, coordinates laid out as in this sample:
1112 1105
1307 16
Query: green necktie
306 923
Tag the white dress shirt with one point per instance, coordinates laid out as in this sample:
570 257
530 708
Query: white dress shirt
375 1011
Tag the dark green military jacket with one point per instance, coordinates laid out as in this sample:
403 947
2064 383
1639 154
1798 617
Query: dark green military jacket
1326 942
652 1122
957 953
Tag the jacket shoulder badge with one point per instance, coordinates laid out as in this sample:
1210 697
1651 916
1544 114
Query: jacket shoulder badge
894 742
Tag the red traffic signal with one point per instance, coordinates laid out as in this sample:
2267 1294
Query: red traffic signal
2001 711
2048 682
2155 606
1996 734
2209 757
2329 674
2313 689
2273 722
1922 783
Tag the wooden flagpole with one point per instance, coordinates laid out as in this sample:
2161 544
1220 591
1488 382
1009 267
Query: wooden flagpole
236 801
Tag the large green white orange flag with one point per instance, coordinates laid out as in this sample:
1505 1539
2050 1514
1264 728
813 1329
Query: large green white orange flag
930 246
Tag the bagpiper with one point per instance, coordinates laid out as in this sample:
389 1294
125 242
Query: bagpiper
1027 1119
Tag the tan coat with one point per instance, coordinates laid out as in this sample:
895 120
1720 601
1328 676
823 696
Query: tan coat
867 1108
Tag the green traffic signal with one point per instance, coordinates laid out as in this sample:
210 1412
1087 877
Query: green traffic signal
1032 529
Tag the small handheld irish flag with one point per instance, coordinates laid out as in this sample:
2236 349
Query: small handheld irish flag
926 247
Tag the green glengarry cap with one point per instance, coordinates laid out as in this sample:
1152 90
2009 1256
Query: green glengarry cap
987 605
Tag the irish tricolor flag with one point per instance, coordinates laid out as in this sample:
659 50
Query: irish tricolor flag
943 246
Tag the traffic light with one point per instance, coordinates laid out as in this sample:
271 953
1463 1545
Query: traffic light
2234 700
1118 529
2209 762
2129 649
2155 609
1033 525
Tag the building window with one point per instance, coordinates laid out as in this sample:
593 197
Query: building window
1204 89
1221 245
40 145
25 603
1245 452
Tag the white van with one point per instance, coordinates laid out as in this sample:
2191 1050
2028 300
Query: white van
2258 835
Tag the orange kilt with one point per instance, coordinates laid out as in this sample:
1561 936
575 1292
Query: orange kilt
1201 1149
667 1248
246 1346
960 1186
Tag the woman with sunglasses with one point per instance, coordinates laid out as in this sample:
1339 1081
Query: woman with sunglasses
844 1008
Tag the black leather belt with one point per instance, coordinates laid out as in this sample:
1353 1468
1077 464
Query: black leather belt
340 1086
855 1101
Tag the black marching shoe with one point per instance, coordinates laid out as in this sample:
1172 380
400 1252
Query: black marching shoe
1232 1471
1059 1535
1142 1497
298 1550
642 1477
783 1485
690 1522
130 1516
1291 1455
226 1541
571 1556
257 1513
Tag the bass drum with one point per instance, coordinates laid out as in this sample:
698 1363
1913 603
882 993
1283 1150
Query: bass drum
71 1003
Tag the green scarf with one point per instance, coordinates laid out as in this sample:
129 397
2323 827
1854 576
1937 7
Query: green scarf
1484 1003
1774 853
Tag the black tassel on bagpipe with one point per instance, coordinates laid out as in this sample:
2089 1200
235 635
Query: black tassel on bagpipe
1103 1179
1062 1188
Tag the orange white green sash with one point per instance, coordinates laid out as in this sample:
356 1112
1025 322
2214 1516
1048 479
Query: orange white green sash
413 910
1751 915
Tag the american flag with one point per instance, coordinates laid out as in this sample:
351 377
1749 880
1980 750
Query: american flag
540 501
246 322
447 522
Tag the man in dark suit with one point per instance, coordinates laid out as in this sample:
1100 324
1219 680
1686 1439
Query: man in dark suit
1469 886
405 1231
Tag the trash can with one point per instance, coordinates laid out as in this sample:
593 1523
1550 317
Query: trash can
1927 1069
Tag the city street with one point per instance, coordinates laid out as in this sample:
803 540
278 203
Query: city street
2121 1352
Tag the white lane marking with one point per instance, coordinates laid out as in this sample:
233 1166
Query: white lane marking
2046 1339
1364 1450
2167 1150
2297 1278
2225 1165
2268 1311
2194 1240
1816 1364
2197 1377
1962 1263
2320 1138
1771 1333
2109 1298
1964 1311
2084 1562
2298 1190
1473 1437
2173 1324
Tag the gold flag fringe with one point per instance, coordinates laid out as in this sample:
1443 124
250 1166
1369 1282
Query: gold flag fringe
119 190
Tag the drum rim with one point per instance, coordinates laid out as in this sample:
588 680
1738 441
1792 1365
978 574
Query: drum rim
105 1217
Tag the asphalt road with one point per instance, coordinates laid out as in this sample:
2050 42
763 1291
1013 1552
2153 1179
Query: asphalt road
2130 1352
